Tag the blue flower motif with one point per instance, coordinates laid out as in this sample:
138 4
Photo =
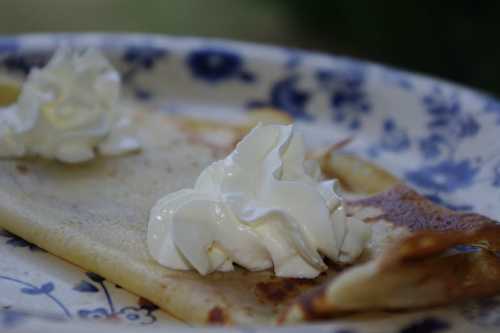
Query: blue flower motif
446 115
24 63
446 176
17 241
426 325
136 315
139 58
287 96
99 313
143 56
143 314
448 125
325 77
431 147
46 288
468 126
394 139
348 100
216 64
441 105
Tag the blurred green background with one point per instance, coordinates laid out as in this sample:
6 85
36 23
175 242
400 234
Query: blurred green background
458 41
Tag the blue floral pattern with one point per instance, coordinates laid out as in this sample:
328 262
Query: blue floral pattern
23 63
214 65
136 315
140 58
286 95
448 124
99 313
448 127
142 314
394 139
45 289
144 56
348 99
446 176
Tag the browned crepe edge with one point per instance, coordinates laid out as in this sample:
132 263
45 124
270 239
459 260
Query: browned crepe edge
417 271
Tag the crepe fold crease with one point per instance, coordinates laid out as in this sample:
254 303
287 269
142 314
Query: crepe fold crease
440 257
95 216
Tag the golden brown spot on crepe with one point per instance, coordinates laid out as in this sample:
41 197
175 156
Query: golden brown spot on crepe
310 305
404 207
283 289
22 169
217 316
275 292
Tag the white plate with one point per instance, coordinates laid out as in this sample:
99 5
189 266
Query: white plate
439 137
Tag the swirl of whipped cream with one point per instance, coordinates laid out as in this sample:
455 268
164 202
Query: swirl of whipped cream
66 110
263 206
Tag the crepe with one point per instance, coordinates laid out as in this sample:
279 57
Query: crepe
414 260
95 215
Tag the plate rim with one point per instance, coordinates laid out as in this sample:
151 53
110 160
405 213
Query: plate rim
125 38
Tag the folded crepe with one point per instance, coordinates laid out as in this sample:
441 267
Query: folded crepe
95 215
416 259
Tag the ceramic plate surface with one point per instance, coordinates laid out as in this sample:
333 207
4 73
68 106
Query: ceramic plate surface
441 138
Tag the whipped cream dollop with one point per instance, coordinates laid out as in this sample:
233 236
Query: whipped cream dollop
68 110
263 206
